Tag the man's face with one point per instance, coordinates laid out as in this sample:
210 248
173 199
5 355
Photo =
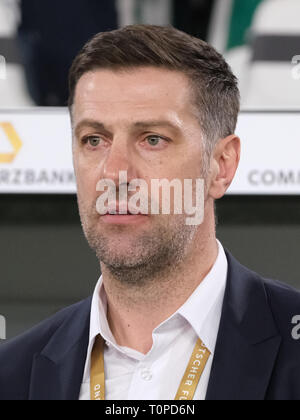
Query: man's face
141 121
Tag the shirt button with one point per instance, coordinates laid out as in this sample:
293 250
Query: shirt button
146 375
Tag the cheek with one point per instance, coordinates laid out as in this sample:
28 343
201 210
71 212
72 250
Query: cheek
86 180
189 169
87 170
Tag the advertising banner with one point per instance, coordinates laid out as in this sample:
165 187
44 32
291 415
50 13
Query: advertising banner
36 153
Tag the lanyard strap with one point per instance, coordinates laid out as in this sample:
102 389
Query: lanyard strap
97 370
188 384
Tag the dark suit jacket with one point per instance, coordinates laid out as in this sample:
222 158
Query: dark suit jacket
255 358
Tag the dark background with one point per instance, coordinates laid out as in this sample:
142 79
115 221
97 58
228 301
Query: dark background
46 263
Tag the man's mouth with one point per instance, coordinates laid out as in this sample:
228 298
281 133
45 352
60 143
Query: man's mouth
122 209
127 213
122 214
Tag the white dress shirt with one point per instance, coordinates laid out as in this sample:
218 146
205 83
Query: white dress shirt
131 375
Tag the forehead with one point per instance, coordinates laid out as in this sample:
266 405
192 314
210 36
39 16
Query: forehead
146 90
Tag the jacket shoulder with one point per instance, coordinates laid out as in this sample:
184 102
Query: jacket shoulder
16 355
284 301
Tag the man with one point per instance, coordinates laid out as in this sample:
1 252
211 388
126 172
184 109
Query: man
173 315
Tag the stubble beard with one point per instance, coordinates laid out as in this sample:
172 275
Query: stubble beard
153 254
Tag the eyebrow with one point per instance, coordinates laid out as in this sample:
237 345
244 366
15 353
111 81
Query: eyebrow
95 125
99 126
155 123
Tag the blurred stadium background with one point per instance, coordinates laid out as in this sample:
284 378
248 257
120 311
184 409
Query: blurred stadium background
45 263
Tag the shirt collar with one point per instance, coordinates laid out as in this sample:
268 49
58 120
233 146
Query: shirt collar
202 310
204 307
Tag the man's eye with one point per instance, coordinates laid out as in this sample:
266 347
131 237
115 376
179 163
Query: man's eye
153 140
92 141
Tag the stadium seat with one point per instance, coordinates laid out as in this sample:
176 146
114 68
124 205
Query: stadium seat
275 39
13 90
9 16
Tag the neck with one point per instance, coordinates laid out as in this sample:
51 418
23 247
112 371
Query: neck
133 313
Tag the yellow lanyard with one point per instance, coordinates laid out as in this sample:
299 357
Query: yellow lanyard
188 384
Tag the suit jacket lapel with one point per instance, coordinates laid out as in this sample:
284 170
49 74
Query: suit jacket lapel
245 353
58 370
248 340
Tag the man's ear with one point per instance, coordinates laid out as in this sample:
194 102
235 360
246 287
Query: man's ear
224 163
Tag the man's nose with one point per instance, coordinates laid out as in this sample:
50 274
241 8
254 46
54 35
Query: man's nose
119 158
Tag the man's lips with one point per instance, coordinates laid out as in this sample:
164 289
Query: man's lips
127 213
123 209
120 213
123 219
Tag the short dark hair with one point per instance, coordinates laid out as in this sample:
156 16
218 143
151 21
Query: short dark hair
216 90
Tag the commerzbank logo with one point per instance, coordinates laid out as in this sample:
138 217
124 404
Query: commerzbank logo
10 143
